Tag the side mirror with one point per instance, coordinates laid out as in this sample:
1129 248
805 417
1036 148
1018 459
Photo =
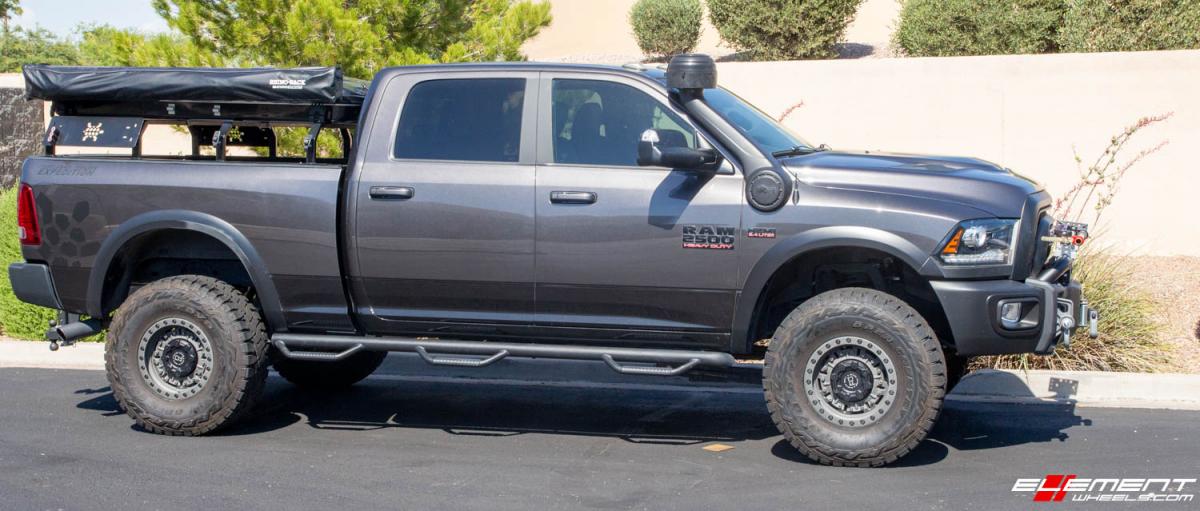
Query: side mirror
652 152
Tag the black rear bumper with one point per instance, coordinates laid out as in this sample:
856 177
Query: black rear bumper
31 283
973 307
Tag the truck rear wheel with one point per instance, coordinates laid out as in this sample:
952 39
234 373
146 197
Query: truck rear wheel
321 375
854 377
186 355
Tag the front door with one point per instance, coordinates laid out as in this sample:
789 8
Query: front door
444 219
629 252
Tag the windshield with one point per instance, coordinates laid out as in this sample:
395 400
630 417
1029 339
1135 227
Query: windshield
770 136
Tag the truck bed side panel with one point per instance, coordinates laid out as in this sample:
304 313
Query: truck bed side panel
287 212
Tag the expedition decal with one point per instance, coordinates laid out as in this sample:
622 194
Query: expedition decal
711 237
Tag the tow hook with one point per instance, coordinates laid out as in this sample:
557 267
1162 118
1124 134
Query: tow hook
1066 321
1090 317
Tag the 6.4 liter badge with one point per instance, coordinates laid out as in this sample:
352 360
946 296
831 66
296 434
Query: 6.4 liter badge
712 237
761 232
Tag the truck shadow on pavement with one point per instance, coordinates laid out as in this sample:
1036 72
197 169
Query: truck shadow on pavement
672 416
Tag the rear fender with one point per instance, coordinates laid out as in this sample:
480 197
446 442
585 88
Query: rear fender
188 220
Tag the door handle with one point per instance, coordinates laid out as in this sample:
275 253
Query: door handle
573 197
392 192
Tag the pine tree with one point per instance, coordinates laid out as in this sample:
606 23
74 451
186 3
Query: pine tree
361 36
8 9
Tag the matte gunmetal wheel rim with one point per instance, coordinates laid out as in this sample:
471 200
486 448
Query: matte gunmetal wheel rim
175 358
850 381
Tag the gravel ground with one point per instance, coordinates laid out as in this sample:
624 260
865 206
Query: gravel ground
1174 282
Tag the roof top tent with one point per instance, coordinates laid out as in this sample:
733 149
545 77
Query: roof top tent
213 102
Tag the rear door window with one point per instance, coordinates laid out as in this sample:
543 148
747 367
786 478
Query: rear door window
476 119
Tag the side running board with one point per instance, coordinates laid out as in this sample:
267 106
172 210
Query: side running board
639 361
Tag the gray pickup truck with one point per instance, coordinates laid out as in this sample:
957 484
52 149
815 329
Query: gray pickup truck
640 217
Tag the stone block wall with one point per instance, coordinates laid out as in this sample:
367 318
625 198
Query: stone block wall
21 125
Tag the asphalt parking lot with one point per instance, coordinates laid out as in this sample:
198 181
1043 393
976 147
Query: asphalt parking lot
528 435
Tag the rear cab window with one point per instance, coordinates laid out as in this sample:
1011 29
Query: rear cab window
467 119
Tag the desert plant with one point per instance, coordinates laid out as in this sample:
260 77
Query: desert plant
790 110
1100 179
664 28
17 318
941 28
1129 336
783 29
1130 25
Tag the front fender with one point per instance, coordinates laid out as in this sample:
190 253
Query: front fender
800 244
188 220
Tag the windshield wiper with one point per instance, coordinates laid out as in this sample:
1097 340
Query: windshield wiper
799 150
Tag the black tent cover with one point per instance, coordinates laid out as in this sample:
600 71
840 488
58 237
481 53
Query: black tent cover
304 85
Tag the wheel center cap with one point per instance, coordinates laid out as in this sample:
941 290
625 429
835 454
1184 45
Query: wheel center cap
852 381
179 359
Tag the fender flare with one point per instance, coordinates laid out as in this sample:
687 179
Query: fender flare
187 220
803 243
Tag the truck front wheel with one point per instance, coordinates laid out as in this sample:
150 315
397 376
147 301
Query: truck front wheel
323 375
854 377
186 355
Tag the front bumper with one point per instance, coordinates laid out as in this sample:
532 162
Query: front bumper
1054 304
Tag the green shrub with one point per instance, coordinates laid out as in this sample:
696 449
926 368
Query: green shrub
942 28
666 27
783 29
17 318
1130 25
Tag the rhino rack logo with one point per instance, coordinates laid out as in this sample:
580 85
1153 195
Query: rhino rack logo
1057 487
711 237
287 83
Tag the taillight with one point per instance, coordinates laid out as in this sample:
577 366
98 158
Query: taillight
27 220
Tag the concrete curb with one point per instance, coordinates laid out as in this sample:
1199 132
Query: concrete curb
37 354
1080 388
1169 391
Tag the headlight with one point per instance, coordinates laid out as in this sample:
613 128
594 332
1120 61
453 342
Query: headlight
984 241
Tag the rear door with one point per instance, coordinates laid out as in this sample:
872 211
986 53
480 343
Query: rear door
618 252
443 227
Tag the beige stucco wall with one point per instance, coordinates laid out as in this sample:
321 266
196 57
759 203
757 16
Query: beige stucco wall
598 31
11 81
1026 112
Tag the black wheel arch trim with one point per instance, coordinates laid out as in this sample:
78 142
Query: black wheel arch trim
178 219
816 239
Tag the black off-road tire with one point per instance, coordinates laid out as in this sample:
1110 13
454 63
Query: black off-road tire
956 368
321 375
892 330
237 369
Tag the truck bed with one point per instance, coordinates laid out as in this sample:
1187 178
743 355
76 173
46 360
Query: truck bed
285 214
